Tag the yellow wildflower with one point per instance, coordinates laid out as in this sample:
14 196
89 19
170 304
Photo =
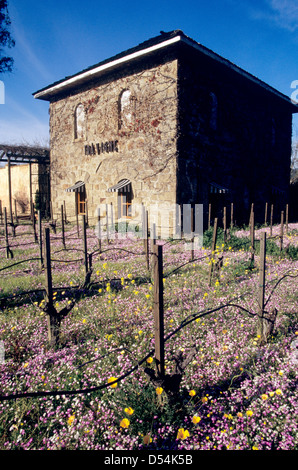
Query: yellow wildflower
150 360
196 419
125 423
129 410
71 419
112 379
264 396
159 390
182 433
192 393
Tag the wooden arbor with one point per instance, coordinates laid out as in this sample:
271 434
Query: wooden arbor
22 154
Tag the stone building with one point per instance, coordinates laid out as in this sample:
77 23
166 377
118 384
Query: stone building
167 122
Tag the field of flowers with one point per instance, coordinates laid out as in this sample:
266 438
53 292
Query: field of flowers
235 393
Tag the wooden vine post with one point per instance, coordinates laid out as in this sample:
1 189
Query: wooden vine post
232 215
99 229
266 212
271 220
209 216
34 222
53 326
281 231
252 236
225 224
77 219
40 240
65 218
62 226
145 235
8 250
251 212
261 294
53 316
107 223
192 254
287 217
15 212
158 310
213 247
85 244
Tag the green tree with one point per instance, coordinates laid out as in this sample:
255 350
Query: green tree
6 40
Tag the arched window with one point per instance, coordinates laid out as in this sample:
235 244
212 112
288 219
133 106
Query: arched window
79 124
126 108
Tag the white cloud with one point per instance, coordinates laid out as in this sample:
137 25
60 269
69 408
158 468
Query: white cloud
284 13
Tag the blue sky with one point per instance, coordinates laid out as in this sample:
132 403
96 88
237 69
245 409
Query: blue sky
55 39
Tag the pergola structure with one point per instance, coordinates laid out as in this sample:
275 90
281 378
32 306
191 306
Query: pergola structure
23 154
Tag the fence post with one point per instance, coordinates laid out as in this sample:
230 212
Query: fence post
281 230
287 217
266 211
261 294
213 247
271 220
1 213
158 310
62 226
40 239
85 244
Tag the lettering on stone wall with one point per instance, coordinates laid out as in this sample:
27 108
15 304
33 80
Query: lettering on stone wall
103 147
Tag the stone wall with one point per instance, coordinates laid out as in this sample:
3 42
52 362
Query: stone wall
131 135
233 133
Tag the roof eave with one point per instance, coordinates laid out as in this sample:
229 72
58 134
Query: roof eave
75 80
94 72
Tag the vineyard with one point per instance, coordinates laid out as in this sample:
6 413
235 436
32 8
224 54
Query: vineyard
224 386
